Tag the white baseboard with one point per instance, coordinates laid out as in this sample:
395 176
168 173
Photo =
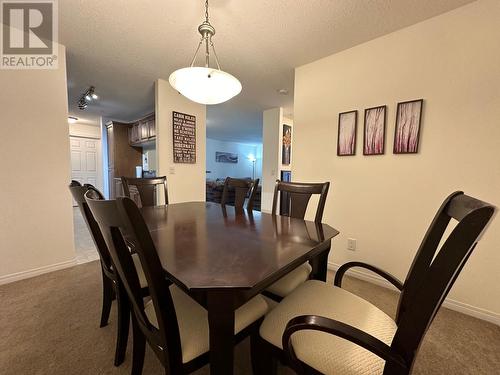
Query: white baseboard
35 272
449 303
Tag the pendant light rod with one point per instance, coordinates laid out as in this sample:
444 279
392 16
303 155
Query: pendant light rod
206 34
207 31
196 53
215 54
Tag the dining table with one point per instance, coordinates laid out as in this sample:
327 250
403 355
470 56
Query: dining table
222 257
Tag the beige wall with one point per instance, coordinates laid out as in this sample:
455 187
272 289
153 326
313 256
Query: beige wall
186 182
36 222
386 202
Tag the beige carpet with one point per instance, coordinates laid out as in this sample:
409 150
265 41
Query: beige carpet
50 325
85 249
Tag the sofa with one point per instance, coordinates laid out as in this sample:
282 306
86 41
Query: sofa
214 189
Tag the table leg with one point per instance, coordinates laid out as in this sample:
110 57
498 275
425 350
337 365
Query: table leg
320 264
220 306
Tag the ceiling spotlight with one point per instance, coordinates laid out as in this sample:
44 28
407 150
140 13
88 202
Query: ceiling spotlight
282 91
87 97
89 94
82 103
72 119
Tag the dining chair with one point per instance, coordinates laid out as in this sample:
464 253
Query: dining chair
298 195
145 189
242 188
323 329
173 324
111 285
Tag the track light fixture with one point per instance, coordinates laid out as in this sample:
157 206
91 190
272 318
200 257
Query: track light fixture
87 97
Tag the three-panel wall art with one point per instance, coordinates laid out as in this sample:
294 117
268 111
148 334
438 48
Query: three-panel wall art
406 133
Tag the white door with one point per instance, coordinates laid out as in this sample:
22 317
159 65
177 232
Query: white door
85 160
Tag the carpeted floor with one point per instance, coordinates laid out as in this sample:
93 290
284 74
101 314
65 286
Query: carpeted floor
85 250
50 325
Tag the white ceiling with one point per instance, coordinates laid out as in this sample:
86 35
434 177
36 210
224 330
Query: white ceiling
122 47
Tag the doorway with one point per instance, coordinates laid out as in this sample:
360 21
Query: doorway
86 168
85 160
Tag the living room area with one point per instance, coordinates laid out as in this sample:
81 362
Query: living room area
232 159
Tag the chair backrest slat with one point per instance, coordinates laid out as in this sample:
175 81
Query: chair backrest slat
146 188
242 188
434 271
299 195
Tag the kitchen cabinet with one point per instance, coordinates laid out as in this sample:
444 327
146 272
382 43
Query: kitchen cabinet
142 131
143 125
152 128
134 133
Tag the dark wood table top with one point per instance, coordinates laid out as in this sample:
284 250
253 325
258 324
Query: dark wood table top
204 246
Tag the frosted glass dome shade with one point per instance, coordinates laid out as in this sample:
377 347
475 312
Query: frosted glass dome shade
205 85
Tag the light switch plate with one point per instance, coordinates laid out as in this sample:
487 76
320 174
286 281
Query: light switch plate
351 244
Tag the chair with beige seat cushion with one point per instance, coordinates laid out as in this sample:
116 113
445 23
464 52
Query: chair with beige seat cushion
289 282
173 324
323 329
193 321
110 282
328 353
295 196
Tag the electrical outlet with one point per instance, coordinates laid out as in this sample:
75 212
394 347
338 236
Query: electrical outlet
171 170
351 244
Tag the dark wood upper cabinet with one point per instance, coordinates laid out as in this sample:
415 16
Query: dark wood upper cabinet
142 131
152 128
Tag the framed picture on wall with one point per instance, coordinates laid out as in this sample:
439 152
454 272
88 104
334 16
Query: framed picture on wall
408 122
286 154
184 137
374 131
346 142
226 157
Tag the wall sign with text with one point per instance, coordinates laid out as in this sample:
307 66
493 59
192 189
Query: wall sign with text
184 137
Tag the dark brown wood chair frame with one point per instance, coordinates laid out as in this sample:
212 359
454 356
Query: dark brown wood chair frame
146 188
242 189
299 194
119 218
430 278
111 287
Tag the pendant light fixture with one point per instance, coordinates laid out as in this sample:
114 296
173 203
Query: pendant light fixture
205 85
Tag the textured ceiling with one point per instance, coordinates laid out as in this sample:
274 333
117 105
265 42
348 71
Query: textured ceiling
122 47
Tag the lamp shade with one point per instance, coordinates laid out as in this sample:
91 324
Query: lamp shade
205 85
